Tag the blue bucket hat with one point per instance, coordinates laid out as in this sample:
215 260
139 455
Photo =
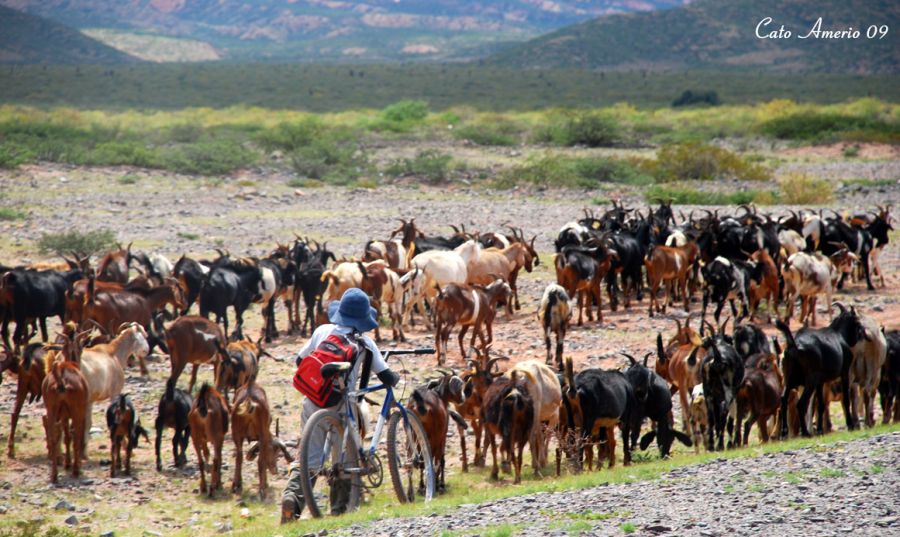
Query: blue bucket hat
354 311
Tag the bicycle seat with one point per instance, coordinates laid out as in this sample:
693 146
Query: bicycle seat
334 368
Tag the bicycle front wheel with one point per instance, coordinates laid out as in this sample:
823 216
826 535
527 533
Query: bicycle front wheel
329 466
409 458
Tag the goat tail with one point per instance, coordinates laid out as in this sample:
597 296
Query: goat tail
170 390
660 351
786 331
202 406
245 407
460 421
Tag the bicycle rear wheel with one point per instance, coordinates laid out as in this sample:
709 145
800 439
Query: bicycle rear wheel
329 466
409 458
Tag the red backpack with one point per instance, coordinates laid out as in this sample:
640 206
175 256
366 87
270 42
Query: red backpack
308 378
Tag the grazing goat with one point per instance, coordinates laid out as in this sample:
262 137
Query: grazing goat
546 395
174 407
66 398
195 340
508 410
554 315
34 295
234 284
494 263
190 275
767 288
653 400
579 271
869 355
208 420
250 421
597 400
474 306
431 404
670 264
889 388
124 425
726 280
30 372
814 357
432 270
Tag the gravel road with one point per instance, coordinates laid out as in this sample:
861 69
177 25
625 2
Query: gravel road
846 488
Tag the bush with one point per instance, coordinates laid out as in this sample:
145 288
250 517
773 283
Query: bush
8 213
689 98
13 155
432 165
330 161
291 136
127 153
592 129
824 126
698 161
683 195
563 171
498 133
402 116
214 157
801 189
75 242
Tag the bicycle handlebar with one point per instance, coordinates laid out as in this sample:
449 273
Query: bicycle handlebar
422 350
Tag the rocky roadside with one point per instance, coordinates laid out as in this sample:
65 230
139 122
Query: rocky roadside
846 488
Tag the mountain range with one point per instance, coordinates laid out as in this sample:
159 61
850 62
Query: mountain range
317 30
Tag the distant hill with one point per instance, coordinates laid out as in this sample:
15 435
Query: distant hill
314 30
722 34
26 38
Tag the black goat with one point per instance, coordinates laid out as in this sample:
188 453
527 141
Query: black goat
889 387
814 357
30 294
233 285
190 274
654 401
596 400
174 407
749 339
124 425
726 280
837 234
722 372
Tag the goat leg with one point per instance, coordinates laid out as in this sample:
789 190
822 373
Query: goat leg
17 409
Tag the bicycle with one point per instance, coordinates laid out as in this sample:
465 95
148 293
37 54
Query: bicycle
342 462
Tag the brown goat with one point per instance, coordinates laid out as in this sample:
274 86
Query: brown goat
431 404
239 364
508 410
75 297
30 372
195 340
250 421
581 275
670 264
113 267
66 397
681 366
465 305
767 288
476 380
759 395
209 423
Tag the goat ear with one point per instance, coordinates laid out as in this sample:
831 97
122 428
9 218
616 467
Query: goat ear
646 439
456 386
683 438
419 403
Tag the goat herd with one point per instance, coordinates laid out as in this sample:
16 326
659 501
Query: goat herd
465 281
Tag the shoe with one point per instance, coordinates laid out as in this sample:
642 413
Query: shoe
289 511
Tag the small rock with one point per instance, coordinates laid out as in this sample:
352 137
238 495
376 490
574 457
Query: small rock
72 520
245 512
226 527
63 505
4 509
109 533
151 533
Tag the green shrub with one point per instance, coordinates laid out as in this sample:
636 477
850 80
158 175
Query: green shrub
406 111
330 161
75 242
9 213
801 189
184 133
685 195
12 155
214 157
129 179
122 153
434 166
690 98
851 151
825 126
291 136
593 129
563 171
704 162
498 133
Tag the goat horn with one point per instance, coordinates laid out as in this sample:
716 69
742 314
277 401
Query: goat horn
678 324
630 358
840 305
492 361
722 326
712 329
646 356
